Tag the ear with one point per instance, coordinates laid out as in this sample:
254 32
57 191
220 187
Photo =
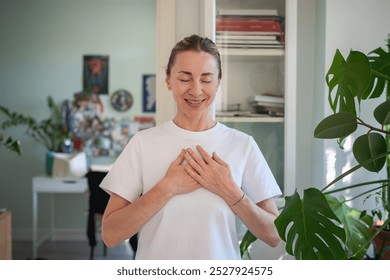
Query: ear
168 83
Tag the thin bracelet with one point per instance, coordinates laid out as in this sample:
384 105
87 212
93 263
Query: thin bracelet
243 194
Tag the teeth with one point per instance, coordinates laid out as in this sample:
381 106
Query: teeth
194 101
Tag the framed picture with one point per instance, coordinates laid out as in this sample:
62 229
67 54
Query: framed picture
149 93
95 73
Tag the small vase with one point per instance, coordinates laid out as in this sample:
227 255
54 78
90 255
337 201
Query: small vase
49 162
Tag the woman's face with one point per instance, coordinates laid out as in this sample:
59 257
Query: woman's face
194 83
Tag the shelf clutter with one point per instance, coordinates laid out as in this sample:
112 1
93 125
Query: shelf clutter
271 104
263 105
249 29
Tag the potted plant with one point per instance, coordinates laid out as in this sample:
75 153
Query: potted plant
50 132
319 225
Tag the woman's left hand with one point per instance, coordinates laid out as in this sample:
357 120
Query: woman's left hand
212 173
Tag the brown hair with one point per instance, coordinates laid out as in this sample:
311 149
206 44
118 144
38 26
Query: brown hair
194 43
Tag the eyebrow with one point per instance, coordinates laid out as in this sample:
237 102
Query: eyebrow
203 74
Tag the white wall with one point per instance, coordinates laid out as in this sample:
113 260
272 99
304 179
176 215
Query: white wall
41 50
358 25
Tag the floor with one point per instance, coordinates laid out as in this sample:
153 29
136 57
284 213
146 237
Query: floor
70 250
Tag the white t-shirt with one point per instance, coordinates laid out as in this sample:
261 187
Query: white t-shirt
197 225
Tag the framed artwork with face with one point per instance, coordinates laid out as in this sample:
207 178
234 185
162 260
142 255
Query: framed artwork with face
95 73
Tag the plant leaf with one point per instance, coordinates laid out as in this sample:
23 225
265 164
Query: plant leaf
382 113
246 241
357 227
336 126
352 77
368 146
310 228
380 65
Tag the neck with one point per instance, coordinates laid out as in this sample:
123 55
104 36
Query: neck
200 124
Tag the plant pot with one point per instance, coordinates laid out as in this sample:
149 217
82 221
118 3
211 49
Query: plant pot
380 241
49 162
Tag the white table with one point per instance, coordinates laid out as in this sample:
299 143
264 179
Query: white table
44 184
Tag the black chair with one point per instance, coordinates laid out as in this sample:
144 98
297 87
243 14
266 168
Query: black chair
98 200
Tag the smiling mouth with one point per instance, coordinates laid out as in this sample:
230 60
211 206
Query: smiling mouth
194 102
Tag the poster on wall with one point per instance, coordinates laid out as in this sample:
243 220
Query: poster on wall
95 73
149 93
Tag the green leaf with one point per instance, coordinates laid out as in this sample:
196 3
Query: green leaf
310 228
357 226
246 241
382 113
380 66
368 146
11 144
351 77
336 126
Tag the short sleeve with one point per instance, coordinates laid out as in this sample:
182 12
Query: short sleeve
258 181
125 178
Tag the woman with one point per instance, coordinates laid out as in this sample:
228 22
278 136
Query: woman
180 184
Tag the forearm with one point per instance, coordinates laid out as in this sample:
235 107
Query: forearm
124 222
259 221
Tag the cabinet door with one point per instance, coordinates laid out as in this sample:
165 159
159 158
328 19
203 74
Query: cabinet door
251 36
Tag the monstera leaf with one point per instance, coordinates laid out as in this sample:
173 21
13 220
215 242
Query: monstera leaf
352 77
357 226
310 228
380 65
247 240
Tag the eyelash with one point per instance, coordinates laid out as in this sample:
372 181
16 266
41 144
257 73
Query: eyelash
186 81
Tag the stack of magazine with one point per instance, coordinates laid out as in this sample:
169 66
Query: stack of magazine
249 28
268 103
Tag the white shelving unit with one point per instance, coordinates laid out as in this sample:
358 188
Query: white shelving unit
247 72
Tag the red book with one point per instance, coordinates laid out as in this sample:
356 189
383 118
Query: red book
240 24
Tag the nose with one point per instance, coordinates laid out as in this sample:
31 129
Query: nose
195 89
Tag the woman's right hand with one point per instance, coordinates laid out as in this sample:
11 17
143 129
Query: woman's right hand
177 179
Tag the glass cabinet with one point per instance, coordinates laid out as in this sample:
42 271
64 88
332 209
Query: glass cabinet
251 38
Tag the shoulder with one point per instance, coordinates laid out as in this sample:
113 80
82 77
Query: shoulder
151 132
232 133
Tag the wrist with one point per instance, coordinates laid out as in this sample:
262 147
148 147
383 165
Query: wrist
164 189
238 200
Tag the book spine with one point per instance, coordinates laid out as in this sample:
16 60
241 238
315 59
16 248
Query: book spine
248 25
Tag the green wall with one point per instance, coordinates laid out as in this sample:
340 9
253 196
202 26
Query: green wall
41 50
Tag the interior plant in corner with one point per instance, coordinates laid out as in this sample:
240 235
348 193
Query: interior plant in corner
49 131
319 225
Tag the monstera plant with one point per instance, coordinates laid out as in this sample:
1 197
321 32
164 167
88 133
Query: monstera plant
321 225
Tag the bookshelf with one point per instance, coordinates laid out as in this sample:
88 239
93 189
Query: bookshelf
250 70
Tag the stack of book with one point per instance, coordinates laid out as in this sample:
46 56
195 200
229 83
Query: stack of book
244 28
268 103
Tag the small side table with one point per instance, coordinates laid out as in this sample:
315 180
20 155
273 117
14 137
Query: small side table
45 184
